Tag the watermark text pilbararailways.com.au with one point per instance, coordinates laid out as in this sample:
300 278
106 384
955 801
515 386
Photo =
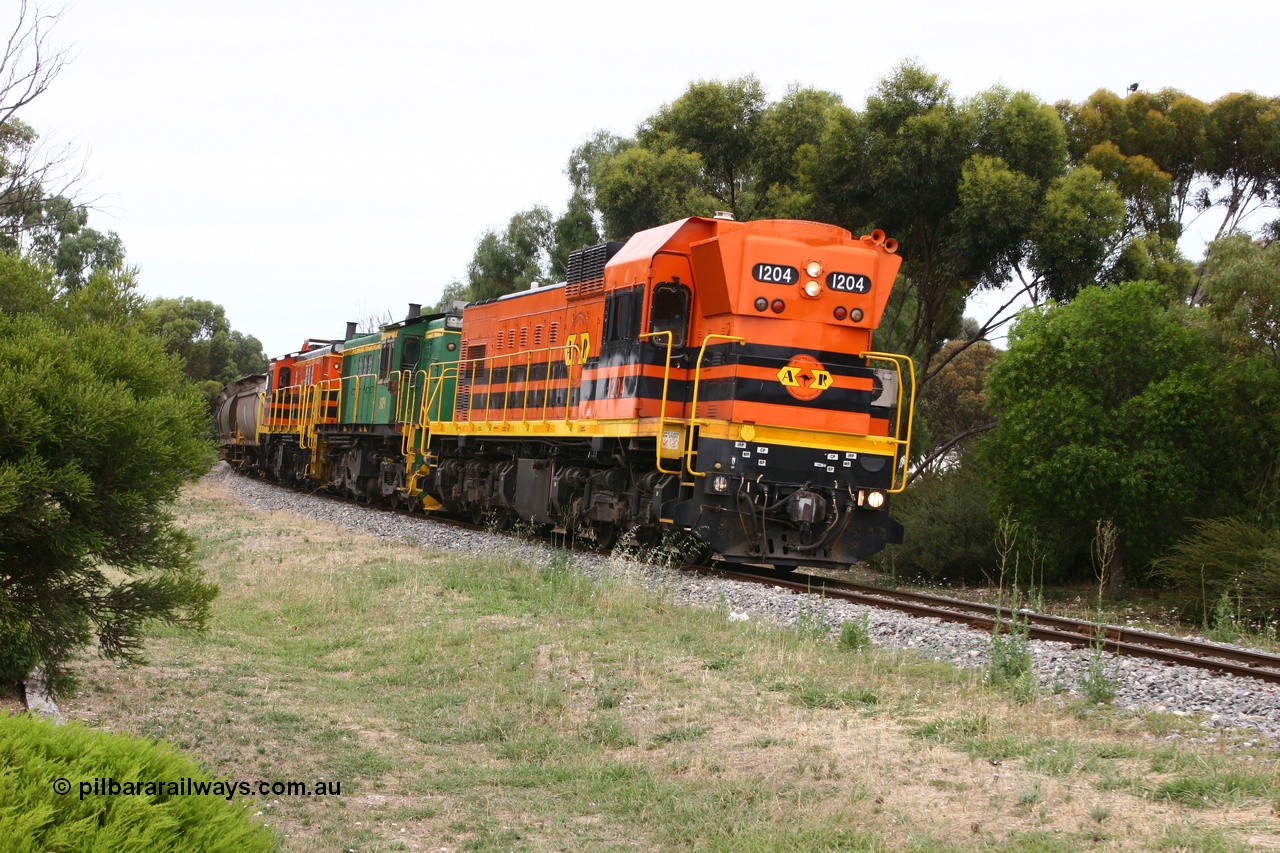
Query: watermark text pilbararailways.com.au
228 789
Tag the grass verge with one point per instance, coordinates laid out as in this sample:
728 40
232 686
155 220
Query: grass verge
487 704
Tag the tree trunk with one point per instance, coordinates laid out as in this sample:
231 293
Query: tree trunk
1115 570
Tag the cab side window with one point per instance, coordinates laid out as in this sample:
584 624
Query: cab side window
409 357
622 314
384 360
669 311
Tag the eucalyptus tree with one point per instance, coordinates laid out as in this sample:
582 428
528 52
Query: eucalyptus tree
719 146
1219 158
979 193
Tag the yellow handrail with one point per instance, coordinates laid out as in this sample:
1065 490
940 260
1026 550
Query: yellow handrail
257 420
423 421
546 393
528 376
304 418
506 390
404 411
693 406
355 380
572 351
573 354
434 396
662 411
900 443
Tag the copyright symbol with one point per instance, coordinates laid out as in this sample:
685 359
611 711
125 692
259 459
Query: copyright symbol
61 786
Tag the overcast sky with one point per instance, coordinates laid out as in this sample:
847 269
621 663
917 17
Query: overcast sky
309 163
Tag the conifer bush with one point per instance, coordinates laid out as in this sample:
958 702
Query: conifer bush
98 432
42 807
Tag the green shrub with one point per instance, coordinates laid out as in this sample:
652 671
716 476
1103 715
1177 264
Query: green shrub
1226 557
855 634
1009 659
1224 625
34 816
1101 676
949 532
99 430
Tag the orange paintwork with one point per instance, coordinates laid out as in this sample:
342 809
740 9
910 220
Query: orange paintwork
291 378
715 259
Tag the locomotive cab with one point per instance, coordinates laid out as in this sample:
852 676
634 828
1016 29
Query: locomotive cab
781 433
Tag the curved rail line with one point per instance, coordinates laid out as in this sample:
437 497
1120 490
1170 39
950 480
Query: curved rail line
1077 632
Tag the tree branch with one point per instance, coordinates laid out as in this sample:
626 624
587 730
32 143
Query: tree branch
942 450
28 64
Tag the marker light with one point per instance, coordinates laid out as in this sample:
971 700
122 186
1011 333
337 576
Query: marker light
761 303
814 269
778 306
812 289
840 312
856 315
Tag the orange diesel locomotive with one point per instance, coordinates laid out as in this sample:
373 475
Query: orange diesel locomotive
708 375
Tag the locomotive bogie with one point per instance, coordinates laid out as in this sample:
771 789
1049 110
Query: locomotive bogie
817 498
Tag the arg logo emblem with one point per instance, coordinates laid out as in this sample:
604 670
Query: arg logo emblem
804 377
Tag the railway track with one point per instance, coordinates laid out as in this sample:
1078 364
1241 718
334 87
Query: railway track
1112 638
988 617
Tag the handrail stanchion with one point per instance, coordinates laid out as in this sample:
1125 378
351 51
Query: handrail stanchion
693 406
662 412
899 442
572 355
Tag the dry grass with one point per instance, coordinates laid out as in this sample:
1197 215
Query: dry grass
487 705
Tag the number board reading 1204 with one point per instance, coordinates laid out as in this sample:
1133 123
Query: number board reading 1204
775 273
848 282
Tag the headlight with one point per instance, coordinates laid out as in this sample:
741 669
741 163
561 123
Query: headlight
812 289
720 484
875 500
814 269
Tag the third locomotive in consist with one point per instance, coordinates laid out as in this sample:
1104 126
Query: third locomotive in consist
707 376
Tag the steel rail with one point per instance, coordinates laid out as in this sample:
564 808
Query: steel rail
1111 638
